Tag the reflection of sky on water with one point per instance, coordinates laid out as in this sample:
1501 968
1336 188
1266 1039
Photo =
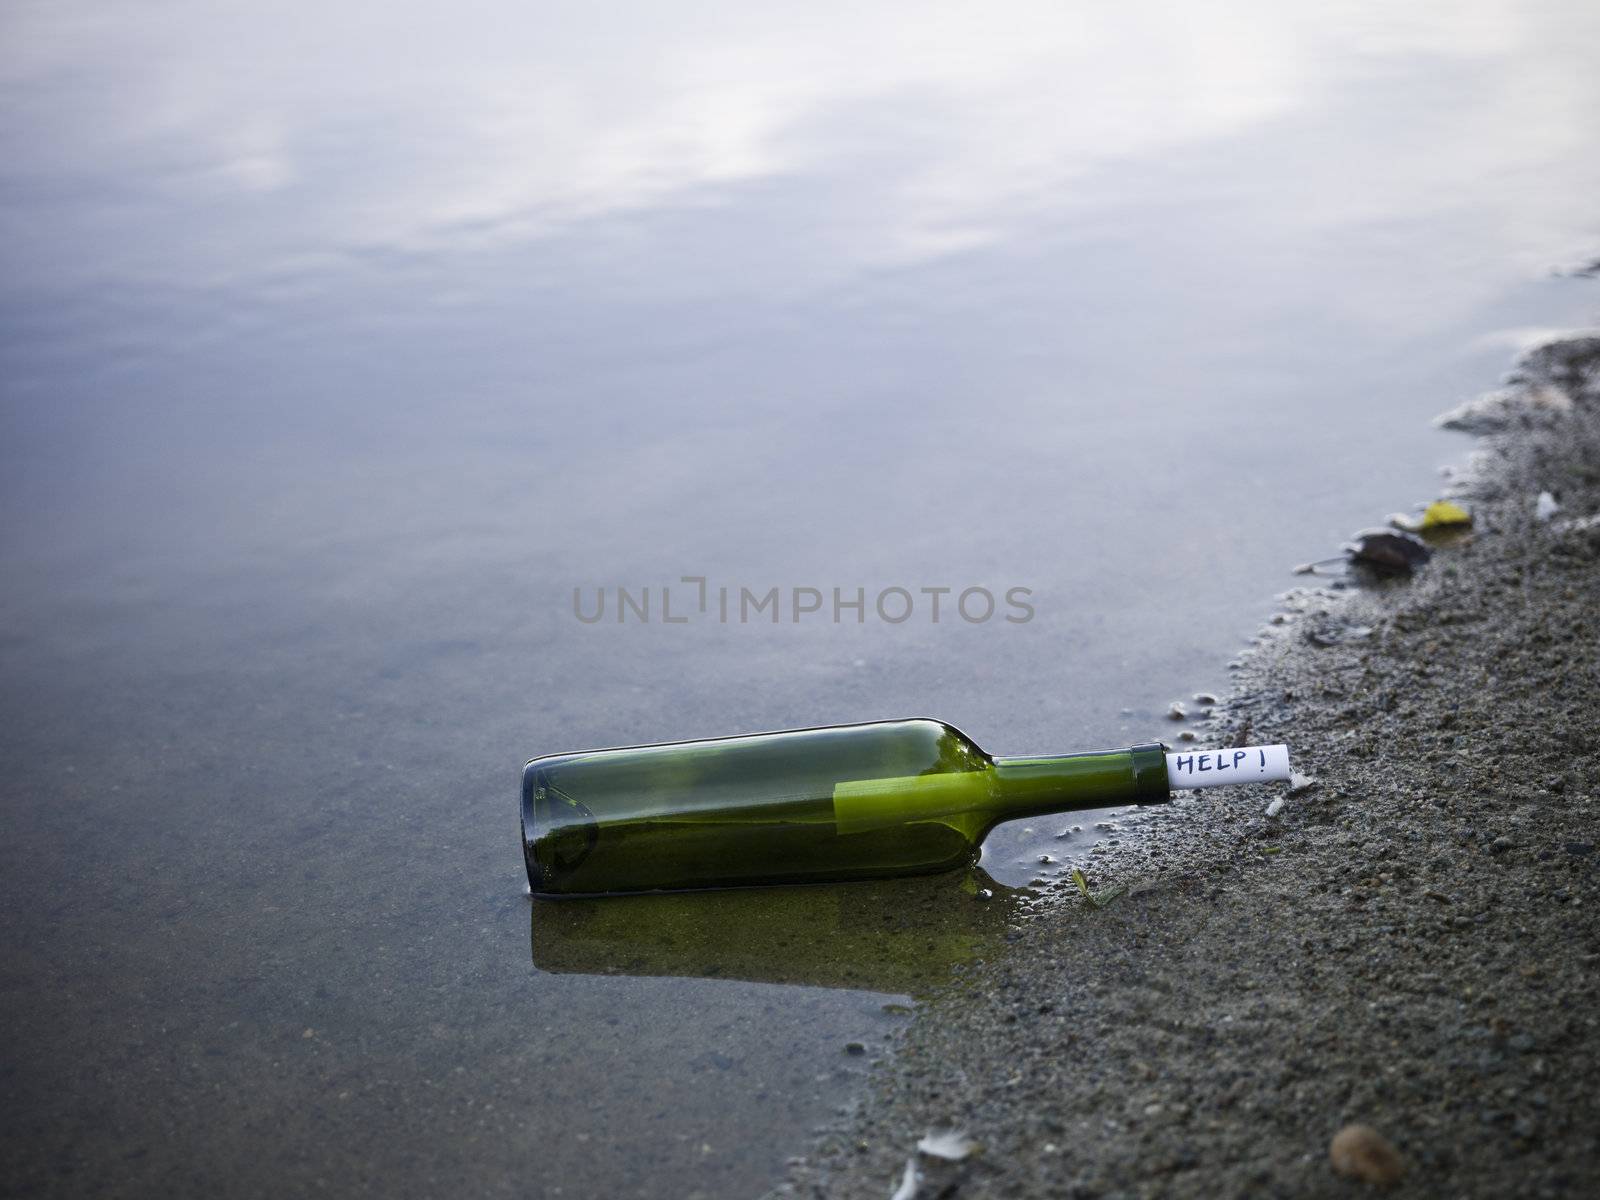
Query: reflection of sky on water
211 143
338 344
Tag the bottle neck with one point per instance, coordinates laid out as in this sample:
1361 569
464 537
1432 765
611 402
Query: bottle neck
1026 787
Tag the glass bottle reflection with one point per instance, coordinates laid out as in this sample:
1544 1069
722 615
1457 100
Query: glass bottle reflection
902 936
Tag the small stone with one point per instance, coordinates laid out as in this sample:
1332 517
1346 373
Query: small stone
950 1144
1188 735
854 1048
1361 1152
983 894
1388 551
1500 845
1177 713
1204 698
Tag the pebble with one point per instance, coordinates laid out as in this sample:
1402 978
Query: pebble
1361 1152
1388 550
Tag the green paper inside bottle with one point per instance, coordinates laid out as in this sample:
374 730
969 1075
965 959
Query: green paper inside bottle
801 806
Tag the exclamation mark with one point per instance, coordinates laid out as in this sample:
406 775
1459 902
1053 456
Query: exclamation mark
1263 754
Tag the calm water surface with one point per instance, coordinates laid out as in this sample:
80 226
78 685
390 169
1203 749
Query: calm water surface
339 344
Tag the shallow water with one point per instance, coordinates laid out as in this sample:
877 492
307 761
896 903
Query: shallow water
340 346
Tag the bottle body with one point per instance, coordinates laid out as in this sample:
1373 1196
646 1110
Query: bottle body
836 803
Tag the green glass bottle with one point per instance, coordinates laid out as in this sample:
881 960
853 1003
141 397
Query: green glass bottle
840 802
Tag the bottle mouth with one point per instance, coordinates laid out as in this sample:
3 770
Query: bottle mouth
1150 772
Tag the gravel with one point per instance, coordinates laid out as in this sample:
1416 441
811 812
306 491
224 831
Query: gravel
1412 945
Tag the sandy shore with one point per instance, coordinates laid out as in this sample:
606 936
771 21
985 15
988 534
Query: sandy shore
1413 943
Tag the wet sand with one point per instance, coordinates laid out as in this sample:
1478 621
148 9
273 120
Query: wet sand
1413 943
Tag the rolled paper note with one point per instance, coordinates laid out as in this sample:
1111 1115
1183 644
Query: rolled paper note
1239 764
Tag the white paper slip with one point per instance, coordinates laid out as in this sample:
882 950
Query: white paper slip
1239 764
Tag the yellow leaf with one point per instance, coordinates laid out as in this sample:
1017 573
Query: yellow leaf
1442 514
